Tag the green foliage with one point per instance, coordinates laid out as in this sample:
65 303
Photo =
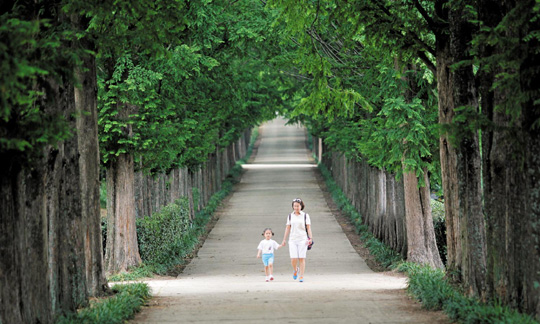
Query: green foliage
190 91
439 225
164 237
127 300
513 43
403 135
431 288
32 53
365 92
103 195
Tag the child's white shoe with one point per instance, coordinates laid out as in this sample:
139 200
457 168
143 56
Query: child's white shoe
267 279
271 277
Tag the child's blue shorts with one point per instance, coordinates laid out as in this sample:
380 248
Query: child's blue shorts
268 258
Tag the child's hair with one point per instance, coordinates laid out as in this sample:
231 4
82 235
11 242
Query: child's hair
267 229
298 200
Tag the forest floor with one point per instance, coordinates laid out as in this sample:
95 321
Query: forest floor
225 282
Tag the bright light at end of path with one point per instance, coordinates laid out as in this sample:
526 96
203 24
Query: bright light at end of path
277 166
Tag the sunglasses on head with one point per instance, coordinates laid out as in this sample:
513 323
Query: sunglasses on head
297 200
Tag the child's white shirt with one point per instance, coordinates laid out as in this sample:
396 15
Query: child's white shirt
268 246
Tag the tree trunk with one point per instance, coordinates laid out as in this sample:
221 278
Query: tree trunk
421 244
42 250
189 188
447 151
24 257
86 106
512 169
469 171
42 223
122 249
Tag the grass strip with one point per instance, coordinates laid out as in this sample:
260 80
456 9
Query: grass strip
127 301
433 290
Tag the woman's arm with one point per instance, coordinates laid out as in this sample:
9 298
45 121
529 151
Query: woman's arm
309 231
287 230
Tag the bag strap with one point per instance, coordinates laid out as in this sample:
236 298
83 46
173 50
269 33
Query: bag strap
305 225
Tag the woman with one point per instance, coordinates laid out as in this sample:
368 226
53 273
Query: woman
299 226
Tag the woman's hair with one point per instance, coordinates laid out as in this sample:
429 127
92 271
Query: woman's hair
268 229
298 200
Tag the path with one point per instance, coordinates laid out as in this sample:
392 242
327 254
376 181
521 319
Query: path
225 282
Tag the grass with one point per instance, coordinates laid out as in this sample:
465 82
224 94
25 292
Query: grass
127 300
431 288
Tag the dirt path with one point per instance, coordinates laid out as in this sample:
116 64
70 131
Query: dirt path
225 282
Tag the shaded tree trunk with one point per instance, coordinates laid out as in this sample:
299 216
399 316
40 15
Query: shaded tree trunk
460 156
512 167
448 152
122 249
42 254
86 106
43 222
469 171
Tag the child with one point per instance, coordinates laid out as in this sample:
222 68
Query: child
267 247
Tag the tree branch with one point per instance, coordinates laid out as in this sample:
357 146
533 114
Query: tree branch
431 23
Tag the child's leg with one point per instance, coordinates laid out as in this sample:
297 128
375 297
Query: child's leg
267 270
270 269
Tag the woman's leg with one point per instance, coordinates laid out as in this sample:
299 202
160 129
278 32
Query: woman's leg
302 266
294 263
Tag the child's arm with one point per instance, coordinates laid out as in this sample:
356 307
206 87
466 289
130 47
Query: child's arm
258 254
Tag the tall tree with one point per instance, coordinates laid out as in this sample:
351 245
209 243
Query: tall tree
43 259
340 63
128 39
506 50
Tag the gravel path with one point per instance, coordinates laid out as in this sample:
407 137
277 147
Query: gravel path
225 283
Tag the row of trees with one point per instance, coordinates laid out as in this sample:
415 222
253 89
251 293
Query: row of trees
437 91
443 91
114 87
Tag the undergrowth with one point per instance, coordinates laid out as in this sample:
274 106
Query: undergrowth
433 290
126 301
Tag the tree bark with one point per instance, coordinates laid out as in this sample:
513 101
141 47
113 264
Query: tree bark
447 150
421 244
512 168
87 128
122 249
42 254
43 221
469 171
